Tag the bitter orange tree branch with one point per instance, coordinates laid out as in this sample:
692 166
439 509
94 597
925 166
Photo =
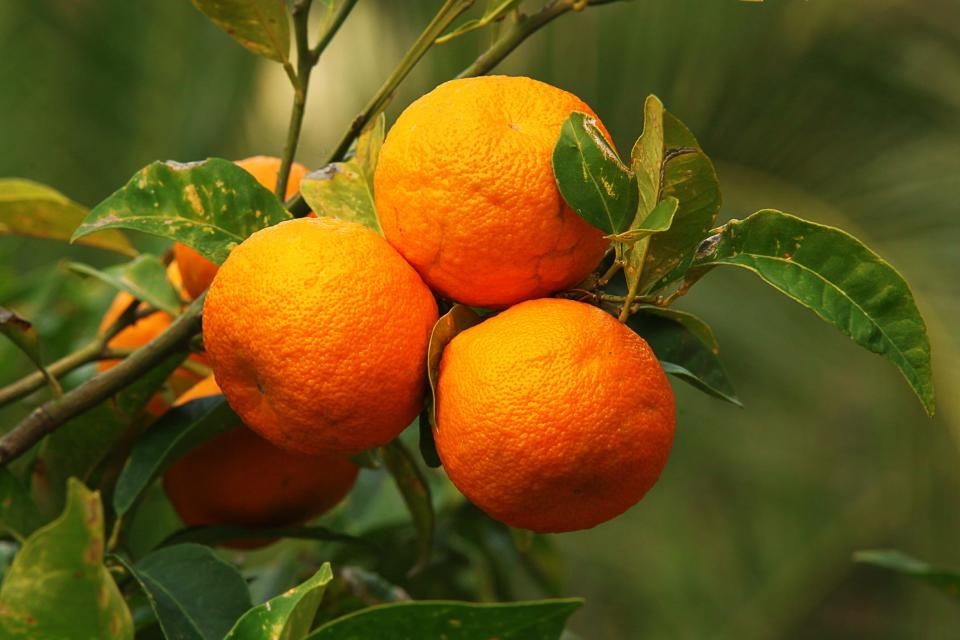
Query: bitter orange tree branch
93 350
51 415
517 32
306 60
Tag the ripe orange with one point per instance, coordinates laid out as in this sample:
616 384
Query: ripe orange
465 191
240 478
143 331
552 416
197 271
317 333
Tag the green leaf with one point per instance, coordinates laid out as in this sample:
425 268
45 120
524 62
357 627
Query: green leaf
686 348
31 209
416 495
944 579
213 535
179 430
288 616
496 10
81 446
458 318
259 25
834 275
144 277
194 594
19 515
447 620
58 586
591 177
22 334
657 221
345 189
668 161
211 206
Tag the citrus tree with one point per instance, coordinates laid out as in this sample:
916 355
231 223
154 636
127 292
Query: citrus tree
492 272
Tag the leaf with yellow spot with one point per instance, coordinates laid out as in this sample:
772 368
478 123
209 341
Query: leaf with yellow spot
287 616
58 586
212 206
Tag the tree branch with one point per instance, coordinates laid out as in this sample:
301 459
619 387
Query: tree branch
509 40
51 415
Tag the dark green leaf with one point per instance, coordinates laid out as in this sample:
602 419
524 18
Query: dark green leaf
179 430
288 616
216 534
22 334
58 586
944 579
194 594
834 275
668 161
686 348
345 189
18 513
445 620
591 177
144 277
82 445
259 25
31 209
211 206
416 494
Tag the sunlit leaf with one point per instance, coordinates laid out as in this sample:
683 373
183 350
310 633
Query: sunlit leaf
144 277
657 221
686 348
194 594
31 209
211 206
21 333
58 586
288 616
345 189
944 579
416 494
591 177
179 430
834 275
261 26
433 620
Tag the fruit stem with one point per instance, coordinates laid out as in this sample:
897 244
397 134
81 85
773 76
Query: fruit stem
51 415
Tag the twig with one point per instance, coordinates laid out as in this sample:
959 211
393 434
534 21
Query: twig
51 415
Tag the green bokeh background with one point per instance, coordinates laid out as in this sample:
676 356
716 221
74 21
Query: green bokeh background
847 113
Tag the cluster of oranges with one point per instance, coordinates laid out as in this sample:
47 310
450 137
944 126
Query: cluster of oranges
550 414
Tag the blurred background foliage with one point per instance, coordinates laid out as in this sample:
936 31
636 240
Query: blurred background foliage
845 113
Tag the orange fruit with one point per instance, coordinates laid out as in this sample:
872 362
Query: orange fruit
198 272
141 332
552 416
317 333
465 192
239 478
